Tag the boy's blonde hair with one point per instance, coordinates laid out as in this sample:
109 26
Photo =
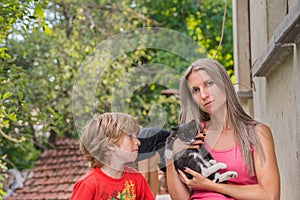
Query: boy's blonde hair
102 132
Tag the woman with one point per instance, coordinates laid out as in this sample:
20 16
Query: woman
231 136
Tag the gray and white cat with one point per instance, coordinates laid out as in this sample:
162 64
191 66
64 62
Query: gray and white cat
200 159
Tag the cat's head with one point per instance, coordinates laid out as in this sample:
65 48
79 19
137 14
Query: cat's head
187 131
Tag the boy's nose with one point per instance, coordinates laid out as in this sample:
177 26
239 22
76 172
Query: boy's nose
137 142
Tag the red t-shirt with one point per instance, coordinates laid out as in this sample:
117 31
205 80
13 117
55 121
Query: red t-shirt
95 185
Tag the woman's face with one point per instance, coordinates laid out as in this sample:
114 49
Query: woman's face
206 93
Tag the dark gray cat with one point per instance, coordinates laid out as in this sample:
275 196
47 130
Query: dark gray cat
198 160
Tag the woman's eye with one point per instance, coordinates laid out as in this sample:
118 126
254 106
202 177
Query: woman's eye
209 83
195 90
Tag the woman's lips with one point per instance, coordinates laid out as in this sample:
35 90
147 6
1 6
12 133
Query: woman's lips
208 103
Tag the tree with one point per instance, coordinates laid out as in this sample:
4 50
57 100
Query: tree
15 18
38 72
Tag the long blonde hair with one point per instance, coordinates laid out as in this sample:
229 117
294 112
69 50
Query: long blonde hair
243 124
102 132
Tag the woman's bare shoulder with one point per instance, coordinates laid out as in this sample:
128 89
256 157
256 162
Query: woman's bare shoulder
263 131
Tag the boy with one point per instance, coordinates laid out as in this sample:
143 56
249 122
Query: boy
108 142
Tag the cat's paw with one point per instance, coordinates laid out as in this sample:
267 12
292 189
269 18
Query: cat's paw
212 162
225 176
222 165
233 175
168 154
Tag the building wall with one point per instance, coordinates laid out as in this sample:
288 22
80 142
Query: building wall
276 94
276 102
281 97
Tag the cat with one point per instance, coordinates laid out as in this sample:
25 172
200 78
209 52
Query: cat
200 159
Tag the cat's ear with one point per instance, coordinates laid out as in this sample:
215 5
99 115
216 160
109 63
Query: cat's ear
175 128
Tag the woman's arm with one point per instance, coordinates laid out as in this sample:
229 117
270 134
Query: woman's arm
267 173
177 189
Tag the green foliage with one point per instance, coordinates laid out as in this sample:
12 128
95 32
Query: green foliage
39 70
27 153
3 168
11 100
201 20
151 107
16 19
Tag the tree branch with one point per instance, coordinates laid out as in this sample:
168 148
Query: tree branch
132 12
9 137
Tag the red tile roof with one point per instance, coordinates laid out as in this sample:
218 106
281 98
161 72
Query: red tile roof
55 173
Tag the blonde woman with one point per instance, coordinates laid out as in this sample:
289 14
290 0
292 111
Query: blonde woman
108 142
231 136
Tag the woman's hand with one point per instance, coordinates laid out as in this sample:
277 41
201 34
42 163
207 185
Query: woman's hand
198 181
199 140
180 145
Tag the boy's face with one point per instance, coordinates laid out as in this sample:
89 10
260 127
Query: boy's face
128 148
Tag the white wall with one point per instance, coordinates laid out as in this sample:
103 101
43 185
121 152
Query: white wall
282 98
276 100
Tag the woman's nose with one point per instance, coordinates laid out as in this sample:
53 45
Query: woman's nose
204 93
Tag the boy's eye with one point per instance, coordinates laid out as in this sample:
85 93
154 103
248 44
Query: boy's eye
131 136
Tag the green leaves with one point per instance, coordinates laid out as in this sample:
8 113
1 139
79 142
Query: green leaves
39 70
6 95
12 116
39 11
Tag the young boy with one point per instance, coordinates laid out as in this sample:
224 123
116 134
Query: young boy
108 142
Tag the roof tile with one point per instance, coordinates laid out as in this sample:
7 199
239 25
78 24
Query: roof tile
55 173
